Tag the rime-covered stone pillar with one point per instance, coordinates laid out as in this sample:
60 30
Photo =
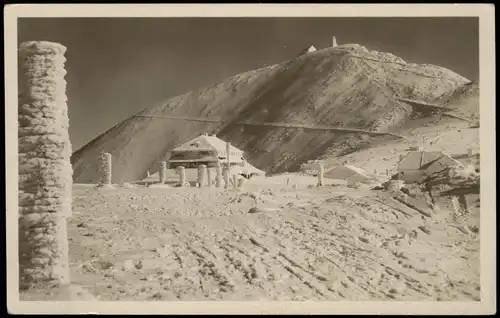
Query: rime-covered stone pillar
163 172
182 175
235 180
241 183
202 171
45 172
456 205
395 185
228 150
225 175
218 176
209 177
334 41
321 170
105 168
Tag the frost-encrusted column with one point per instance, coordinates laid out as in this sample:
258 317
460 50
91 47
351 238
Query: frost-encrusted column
228 151
395 185
209 177
225 175
45 172
105 168
235 180
202 171
163 172
456 205
182 175
218 176
334 41
241 183
321 169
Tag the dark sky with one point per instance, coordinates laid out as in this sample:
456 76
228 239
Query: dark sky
119 66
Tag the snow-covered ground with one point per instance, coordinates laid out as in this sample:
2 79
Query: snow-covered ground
329 243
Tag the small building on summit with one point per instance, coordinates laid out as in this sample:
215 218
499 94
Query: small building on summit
205 150
418 165
307 50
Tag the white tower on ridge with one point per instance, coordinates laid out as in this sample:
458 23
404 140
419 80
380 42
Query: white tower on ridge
334 42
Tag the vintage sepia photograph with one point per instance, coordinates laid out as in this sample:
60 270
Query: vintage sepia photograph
259 158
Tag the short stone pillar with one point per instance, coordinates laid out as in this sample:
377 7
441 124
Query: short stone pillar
163 172
182 175
235 180
105 168
209 177
202 172
218 176
45 171
225 175
334 41
320 170
469 152
241 183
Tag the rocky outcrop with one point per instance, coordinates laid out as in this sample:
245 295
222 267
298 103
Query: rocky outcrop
45 172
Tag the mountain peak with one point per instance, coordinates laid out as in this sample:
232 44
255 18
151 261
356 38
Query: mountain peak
346 86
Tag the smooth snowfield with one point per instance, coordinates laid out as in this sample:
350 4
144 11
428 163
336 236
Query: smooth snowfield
330 243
